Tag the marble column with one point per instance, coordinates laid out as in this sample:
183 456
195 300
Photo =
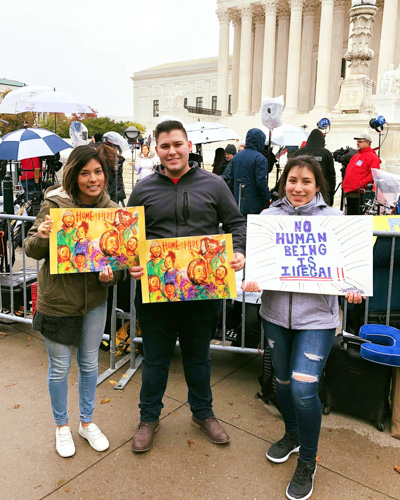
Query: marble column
324 56
306 60
257 61
223 61
268 74
237 26
340 9
282 45
246 51
294 51
388 38
376 40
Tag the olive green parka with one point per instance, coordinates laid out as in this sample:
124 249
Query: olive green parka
64 294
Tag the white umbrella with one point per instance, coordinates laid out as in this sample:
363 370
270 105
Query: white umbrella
11 101
206 132
53 102
117 139
286 135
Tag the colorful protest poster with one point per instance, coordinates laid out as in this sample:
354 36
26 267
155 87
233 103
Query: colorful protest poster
87 239
191 268
328 255
387 223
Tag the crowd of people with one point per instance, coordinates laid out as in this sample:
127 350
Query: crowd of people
182 199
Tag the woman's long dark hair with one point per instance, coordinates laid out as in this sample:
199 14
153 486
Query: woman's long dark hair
78 159
219 156
311 164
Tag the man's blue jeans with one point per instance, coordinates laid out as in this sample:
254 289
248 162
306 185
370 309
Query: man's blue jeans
87 355
299 357
195 323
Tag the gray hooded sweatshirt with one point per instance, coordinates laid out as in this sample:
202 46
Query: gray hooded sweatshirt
300 311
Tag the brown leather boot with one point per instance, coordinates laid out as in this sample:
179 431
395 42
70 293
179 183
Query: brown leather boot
143 439
212 428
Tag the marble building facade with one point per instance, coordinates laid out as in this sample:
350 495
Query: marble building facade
292 47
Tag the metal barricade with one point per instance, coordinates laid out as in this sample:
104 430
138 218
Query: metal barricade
136 360
381 234
14 227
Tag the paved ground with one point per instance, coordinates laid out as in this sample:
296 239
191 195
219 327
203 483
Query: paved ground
355 460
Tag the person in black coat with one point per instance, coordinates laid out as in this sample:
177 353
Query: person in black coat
109 152
315 147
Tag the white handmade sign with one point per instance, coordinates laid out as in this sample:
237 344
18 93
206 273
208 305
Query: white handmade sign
328 255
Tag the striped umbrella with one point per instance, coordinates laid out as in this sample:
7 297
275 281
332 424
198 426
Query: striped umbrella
29 143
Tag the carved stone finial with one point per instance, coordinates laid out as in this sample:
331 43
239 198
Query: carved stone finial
356 89
359 54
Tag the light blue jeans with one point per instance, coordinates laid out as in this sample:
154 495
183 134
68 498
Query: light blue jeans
87 355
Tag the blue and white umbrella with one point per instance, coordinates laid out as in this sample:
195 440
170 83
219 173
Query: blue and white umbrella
29 143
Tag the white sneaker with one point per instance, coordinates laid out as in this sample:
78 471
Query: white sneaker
93 434
64 443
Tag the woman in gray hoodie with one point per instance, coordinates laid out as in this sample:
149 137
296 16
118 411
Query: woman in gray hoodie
300 329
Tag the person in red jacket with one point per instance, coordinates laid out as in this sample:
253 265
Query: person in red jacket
358 173
31 174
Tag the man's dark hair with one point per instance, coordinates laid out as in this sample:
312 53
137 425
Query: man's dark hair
168 126
311 164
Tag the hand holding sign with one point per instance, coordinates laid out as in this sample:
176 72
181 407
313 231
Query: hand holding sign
328 255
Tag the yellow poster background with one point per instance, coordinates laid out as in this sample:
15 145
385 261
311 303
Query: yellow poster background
88 239
386 223
190 268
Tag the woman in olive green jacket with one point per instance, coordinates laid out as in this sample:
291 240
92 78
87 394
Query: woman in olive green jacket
72 308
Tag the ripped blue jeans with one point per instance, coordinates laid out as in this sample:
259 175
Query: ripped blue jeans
299 357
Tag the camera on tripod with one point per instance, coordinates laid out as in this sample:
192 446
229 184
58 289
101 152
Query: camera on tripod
52 165
36 201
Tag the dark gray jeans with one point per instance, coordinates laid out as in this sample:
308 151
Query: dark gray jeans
195 323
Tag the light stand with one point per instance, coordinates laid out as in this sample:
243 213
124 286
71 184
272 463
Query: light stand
131 134
377 124
324 125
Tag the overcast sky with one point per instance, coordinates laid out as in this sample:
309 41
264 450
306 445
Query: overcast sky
91 48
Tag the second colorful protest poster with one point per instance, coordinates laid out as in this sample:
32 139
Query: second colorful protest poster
190 268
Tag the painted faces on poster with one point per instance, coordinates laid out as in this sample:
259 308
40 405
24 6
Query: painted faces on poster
173 150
